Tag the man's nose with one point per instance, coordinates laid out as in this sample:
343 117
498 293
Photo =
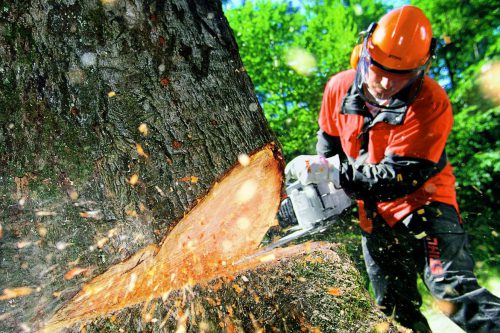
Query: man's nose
385 83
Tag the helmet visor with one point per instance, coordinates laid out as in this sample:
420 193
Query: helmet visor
384 87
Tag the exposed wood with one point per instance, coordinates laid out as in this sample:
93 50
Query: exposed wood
226 225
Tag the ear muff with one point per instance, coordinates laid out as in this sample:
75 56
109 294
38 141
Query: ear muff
356 52
355 55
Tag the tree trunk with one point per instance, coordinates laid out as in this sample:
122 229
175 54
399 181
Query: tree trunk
116 117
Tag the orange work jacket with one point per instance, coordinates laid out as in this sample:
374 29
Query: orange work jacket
417 131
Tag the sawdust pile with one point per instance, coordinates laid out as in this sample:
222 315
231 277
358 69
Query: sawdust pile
317 291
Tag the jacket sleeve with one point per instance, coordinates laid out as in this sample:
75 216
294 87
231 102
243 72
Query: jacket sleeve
394 177
328 145
332 98
415 152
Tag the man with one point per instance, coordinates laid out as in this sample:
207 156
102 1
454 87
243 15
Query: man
389 123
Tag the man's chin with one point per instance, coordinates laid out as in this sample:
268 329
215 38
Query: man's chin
382 96
378 95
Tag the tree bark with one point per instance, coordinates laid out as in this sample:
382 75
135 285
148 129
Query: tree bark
77 81
115 118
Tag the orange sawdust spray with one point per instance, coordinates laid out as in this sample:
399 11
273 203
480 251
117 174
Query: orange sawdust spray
224 227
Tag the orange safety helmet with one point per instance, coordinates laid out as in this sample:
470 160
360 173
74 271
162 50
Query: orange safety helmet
399 48
402 39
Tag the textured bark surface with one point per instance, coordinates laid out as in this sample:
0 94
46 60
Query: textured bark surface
116 117
77 79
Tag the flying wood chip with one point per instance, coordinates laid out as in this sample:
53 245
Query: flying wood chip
335 291
133 179
164 81
195 250
140 150
143 129
176 144
15 292
74 272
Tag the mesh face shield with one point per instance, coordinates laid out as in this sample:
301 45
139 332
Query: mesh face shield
387 88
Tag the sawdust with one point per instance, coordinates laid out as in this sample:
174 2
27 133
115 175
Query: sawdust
289 294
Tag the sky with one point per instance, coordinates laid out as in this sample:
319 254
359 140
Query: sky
236 3
229 4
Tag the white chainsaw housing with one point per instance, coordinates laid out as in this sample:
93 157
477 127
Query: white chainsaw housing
314 204
315 207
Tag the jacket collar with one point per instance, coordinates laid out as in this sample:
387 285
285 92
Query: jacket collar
353 104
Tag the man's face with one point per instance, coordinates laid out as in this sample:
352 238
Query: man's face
383 85
379 85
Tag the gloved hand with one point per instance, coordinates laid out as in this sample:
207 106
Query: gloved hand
314 169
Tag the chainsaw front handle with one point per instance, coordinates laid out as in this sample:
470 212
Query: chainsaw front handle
313 169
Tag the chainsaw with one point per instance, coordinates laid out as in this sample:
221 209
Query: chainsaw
307 210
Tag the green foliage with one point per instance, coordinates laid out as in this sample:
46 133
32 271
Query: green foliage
472 28
474 152
266 31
